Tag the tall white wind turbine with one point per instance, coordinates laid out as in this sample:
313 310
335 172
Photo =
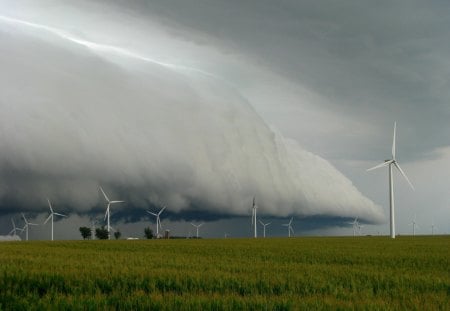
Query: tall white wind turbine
289 227
390 163
158 220
197 226
254 224
52 213
264 227
27 224
108 211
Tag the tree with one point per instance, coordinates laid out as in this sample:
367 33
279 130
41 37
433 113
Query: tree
117 235
101 233
148 233
86 232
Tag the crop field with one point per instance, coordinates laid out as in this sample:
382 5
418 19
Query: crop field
363 273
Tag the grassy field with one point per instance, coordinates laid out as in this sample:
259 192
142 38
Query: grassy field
365 273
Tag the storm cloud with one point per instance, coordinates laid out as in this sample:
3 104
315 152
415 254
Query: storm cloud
81 109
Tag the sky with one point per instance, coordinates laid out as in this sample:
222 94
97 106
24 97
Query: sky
202 105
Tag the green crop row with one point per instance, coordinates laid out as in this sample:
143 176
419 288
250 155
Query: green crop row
229 274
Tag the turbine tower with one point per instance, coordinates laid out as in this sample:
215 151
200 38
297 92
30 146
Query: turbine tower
197 226
264 226
27 224
108 212
390 163
254 224
52 213
158 220
289 227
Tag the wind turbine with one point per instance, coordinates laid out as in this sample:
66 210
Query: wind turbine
52 213
108 212
197 226
355 224
289 226
359 228
432 228
264 226
254 224
390 163
414 224
158 220
27 224
14 229
93 222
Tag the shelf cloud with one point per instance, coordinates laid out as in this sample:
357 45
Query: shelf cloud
78 113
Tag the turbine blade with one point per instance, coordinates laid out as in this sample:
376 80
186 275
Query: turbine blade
404 175
393 141
152 213
380 165
24 218
50 205
48 218
162 210
104 194
112 202
261 222
30 223
62 215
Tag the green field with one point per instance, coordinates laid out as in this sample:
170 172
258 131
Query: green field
365 273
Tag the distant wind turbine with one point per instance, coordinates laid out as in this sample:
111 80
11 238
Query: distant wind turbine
254 224
264 227
158 220
359 228
197 226
93 222
108 211
52 213
355 225
414 225
432 228
14 229
390 163
289 227
27 224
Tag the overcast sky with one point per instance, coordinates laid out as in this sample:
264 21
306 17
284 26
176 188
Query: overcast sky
201 105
